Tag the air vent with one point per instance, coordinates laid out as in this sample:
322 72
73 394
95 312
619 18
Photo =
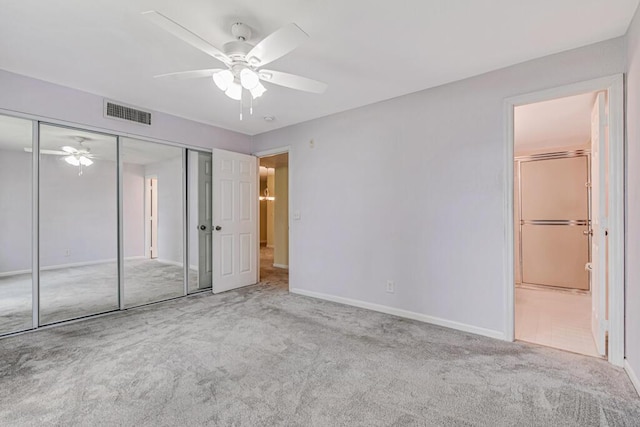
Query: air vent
125 112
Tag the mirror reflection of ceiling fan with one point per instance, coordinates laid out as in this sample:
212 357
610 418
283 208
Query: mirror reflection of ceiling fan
243 60
76 156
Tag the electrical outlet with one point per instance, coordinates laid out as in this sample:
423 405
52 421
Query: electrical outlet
391 286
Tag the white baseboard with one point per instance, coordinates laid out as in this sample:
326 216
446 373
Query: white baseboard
70 265
286 267
632 376
14 273
169 262
403 313
59 266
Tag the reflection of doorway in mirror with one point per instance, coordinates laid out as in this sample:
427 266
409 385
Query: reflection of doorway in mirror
151 210
205 221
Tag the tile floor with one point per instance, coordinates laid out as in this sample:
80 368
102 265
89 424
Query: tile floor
555 319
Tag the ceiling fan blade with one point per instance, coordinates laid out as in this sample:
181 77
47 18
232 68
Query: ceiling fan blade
183 75
292 81
185 35
276 45
69 150
52 152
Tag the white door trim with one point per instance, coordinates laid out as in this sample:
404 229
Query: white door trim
614 85
267 153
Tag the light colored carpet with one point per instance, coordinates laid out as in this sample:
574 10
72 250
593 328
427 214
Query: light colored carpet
72 292
261 356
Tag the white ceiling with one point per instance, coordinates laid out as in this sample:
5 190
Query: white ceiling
557 123
367 51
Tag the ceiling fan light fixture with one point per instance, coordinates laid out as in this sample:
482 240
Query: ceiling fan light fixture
258 90
85 161
234 91
223 79
249 79
72 160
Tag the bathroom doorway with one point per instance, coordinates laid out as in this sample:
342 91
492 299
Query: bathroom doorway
556 216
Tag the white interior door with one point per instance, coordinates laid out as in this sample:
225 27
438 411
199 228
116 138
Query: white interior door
235 204
205 221
599 222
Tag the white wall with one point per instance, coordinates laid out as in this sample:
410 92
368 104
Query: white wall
412 190
15 211
170 224
133 209
28 95
77 213
632 293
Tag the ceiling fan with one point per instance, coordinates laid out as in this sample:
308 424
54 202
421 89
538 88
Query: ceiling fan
243 60
76 156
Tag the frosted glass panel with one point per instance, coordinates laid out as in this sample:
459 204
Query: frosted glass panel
555 189
555 255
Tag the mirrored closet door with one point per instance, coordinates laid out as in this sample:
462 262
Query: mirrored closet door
78 223
16 159
153 224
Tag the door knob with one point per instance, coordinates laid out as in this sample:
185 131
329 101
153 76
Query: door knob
218 228
203 227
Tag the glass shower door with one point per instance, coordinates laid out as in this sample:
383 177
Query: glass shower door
555 222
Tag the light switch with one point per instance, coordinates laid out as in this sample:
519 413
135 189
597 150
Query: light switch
296 215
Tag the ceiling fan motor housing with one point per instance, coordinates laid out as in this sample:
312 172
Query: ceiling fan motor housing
237 50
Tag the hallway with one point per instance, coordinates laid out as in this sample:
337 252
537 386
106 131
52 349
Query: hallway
270 275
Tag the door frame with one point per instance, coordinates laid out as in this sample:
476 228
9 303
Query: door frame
614 86
269 153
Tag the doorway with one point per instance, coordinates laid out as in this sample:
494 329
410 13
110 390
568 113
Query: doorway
274 220
567 235
151 199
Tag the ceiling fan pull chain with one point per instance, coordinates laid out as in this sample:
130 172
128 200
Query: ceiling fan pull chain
241 108
251 106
